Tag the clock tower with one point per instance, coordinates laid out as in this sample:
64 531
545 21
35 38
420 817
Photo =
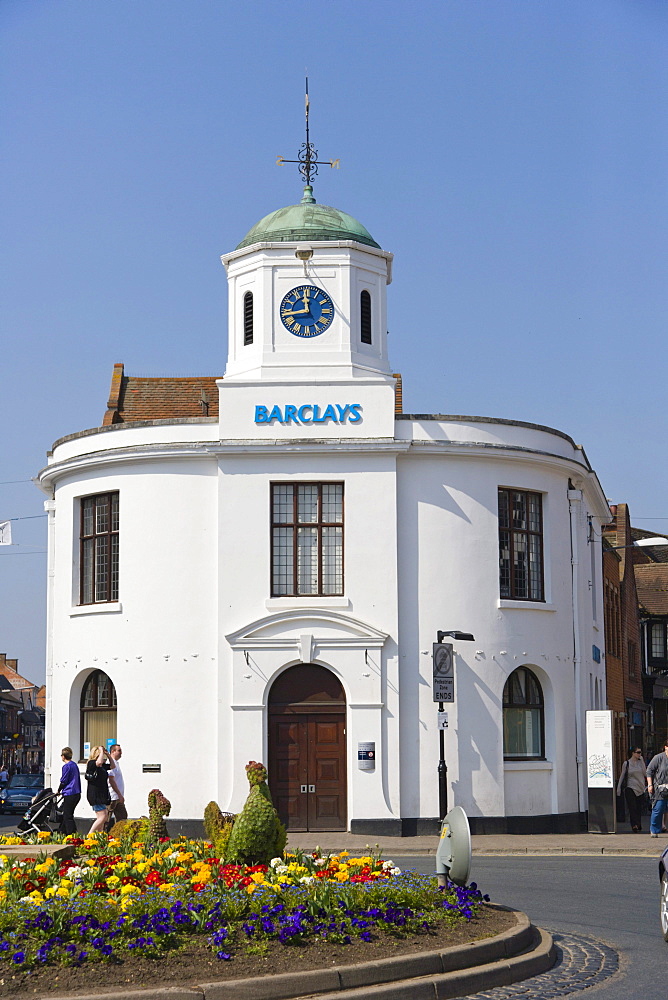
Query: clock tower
307 298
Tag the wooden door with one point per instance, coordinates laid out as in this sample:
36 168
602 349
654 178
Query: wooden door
288 769
327 772
307 770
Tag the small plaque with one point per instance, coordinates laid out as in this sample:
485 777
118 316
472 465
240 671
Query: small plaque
151 768
366 756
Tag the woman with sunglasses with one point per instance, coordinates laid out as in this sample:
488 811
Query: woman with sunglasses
633 782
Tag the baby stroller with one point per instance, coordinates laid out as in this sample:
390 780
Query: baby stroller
44 814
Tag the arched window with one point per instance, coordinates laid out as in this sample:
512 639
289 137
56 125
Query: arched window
365 317
248 318
523 717
98 711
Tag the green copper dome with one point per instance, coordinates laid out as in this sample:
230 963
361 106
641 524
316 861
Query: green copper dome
307 222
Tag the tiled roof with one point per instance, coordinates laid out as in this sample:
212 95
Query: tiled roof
139 398
144 398
652 587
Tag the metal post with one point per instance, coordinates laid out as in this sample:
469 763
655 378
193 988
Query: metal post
442 774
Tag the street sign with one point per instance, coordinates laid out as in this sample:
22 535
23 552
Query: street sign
444 672
442 720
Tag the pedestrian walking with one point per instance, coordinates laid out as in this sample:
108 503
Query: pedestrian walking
97 771
70 789
657 786
632 784
4 777
117 808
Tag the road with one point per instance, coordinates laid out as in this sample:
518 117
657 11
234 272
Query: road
607 901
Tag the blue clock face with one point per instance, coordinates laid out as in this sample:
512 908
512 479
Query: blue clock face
306 311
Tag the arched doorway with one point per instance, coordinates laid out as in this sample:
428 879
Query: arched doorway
307 749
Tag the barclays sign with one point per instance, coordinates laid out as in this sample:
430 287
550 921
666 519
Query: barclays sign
310 413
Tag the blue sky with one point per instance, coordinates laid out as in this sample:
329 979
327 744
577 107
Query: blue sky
512 154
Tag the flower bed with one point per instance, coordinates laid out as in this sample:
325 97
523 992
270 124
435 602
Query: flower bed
117 899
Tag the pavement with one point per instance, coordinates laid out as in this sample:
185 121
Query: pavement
548 845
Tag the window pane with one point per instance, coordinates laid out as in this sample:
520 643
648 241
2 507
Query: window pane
103 698
101 567
534 511
114 511
504 517
282 570
332 560
535 567
87 570
114 568
98 727
658 641
89 696
307 504
520 565
102 514
332 503
504 563
87 526
522 732
307 561
519 510
283 512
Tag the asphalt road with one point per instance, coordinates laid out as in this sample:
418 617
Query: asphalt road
614 901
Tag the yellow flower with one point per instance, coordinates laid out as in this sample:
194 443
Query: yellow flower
258 877
166 887
128 890
250 888
113 880
66 883
44 867
62 892
120 866
341 876
43 835
51 891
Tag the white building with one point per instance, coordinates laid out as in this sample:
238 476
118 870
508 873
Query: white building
256 567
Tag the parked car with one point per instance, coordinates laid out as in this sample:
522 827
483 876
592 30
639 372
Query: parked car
663 905
19 793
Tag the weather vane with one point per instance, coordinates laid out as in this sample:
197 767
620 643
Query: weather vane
307 157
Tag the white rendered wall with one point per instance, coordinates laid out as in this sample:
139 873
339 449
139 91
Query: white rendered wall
158 644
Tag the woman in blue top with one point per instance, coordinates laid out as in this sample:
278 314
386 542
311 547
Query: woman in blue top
70 789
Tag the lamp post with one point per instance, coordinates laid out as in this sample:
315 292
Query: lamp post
444 690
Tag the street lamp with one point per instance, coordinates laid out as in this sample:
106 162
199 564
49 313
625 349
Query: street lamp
643 543
444 686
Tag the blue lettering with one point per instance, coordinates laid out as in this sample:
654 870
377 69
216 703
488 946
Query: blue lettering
330 414
355 415
291 414
276 415
261 415
342 412
301 413
317 419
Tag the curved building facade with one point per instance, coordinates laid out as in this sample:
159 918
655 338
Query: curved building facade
257 567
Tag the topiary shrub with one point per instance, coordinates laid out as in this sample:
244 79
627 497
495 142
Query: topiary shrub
129 831
218 827
257 835
158 808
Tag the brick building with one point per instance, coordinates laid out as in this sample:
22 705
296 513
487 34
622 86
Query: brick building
21 718
624 682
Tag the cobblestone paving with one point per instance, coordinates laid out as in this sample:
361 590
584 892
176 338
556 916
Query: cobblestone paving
581 963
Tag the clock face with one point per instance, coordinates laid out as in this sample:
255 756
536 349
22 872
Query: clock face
306 311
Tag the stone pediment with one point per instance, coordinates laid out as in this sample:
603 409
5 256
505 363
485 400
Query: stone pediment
289 628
